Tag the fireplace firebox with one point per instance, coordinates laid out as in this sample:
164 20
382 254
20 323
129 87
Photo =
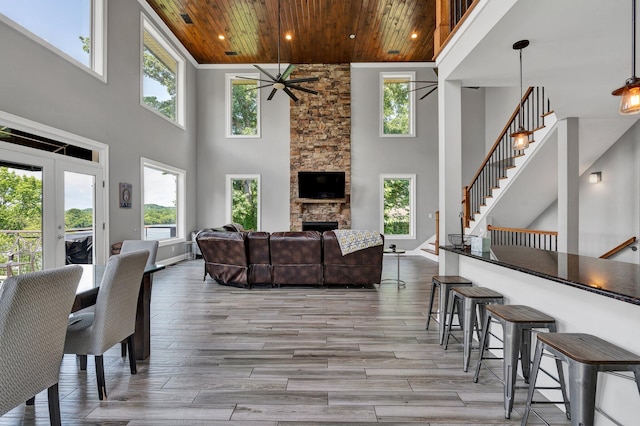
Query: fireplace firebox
319 226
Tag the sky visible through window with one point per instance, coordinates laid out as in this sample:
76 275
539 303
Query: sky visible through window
59 22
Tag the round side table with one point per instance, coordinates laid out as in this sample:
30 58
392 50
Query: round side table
397 280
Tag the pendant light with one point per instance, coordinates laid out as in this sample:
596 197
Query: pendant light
630 92
521 136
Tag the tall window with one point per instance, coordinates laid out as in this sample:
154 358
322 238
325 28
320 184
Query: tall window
243 106
72 28
163 201
162 75
398 206
243 200
397 104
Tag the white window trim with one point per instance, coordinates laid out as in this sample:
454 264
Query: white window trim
180 199
412 206
146 25
228 197
411 75
228 79
98 60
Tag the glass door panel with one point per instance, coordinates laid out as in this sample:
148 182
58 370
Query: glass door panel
79 217
21 218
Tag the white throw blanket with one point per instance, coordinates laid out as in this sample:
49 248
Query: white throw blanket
351 240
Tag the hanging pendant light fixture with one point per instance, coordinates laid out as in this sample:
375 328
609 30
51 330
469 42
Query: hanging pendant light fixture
521 136
630 92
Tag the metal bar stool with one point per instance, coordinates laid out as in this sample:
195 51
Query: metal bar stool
586 356
444 283
471 298
517 322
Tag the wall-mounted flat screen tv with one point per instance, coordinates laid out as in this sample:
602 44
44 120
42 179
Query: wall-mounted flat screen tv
321 185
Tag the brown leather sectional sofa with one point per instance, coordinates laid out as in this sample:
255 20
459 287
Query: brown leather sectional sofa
284 258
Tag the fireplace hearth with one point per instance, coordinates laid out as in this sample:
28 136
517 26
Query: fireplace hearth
319 226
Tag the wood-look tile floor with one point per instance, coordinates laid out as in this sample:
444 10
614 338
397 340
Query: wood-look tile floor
285 356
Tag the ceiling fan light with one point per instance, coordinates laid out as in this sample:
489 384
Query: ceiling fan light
520 139
278 86
630 97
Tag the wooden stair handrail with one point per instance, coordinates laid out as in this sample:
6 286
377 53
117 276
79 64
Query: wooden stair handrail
618 248
522 230
502 133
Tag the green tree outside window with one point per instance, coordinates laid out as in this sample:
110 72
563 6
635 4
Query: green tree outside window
244 204
397 206
396 107
244 107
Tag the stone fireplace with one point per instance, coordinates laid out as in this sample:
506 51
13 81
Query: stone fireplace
321 141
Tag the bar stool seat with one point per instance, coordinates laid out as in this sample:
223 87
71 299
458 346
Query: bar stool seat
586 355
471 298
517 322
444 283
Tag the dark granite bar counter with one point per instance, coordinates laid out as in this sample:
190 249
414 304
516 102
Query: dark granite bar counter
609 278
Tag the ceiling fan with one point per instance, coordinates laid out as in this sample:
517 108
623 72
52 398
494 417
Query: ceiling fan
280 81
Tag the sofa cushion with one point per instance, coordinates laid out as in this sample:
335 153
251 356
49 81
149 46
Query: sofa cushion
259 258
296 257
225 255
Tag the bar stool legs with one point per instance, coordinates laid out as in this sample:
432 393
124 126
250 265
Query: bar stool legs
473 298
517 322
586 355
445 283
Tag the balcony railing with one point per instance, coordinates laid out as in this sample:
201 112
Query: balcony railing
449 15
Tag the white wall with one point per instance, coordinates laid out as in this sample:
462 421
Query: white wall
39 85
218 156
372 155
609 210
473 132
500 102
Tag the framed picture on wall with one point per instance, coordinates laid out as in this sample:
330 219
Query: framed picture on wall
125 195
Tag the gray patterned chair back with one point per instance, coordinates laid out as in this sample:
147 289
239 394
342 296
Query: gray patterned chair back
115 309
133 245
34 310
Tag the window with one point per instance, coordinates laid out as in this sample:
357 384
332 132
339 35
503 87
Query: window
398 206
163 201
397 104
74 29
162 75
243 106
243 201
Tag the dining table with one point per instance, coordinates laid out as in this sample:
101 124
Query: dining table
87 293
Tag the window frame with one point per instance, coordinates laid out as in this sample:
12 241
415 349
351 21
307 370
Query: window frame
412 205
98 53
411 76
228 116
180 199
229 196
149 27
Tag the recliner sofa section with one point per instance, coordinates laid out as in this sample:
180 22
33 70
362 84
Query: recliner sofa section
284 258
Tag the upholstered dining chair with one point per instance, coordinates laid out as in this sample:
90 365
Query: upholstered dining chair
150 245
132 245
34 309
114 317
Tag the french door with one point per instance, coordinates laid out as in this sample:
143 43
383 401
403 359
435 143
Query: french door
66 206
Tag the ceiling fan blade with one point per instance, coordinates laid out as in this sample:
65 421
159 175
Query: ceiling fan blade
302 80
304 89
287 72
254 79
423 87
291 95
423 81
273 92
428 93
261 87
262 70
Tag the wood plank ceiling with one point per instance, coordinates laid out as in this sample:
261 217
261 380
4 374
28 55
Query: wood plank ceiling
320 30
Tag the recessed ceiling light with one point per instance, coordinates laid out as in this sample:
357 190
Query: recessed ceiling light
352 36
288 36
221 37
414 35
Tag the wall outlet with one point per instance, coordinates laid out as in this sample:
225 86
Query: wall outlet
430 215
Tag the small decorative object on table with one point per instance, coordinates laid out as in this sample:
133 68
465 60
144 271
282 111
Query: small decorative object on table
460 241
